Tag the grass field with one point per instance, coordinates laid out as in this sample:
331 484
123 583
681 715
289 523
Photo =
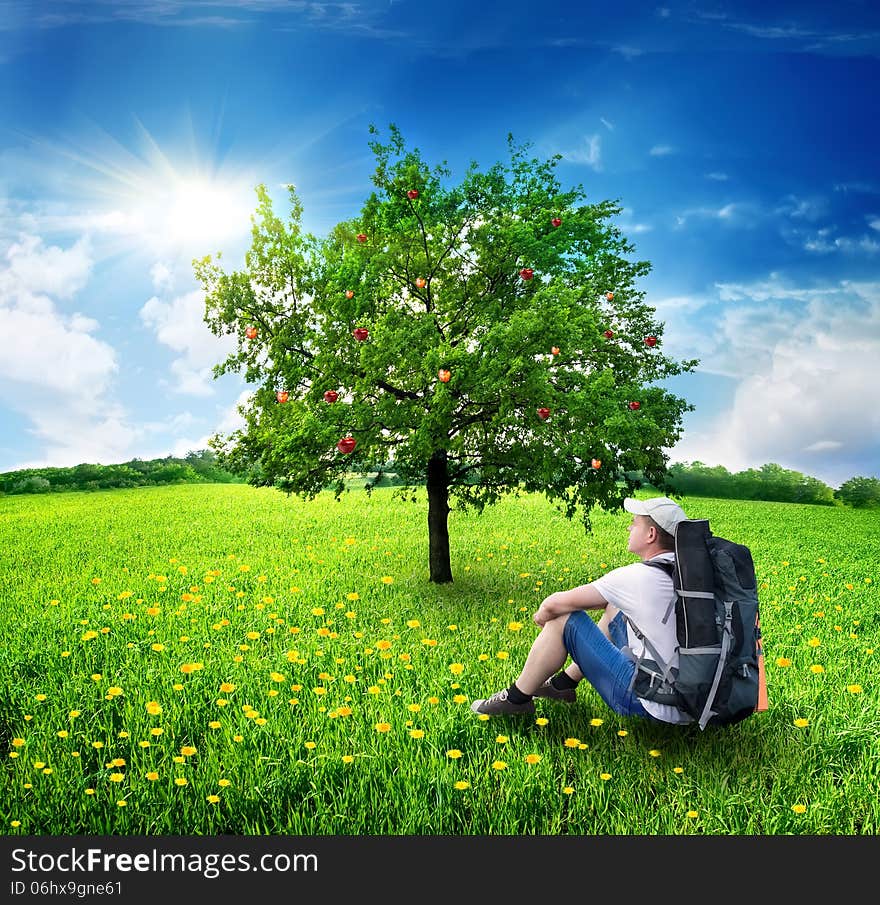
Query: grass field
221 659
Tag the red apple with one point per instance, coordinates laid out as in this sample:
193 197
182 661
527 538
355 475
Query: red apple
635 405
527 273
412 194
608 334
361 237
554 350
596 463
556 221
349 293
420 281
651 341
444 375
543 413
251 333
346 445
609 295
360 333
282 395
331 396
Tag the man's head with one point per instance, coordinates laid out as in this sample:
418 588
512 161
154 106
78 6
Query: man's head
653 527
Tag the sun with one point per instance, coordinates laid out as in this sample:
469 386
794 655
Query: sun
204 211
162 201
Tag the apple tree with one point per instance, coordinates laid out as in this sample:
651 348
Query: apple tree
478 338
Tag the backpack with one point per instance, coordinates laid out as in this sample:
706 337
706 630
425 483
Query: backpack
719 674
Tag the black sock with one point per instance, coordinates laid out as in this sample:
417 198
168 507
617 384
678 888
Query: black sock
515 696
563 680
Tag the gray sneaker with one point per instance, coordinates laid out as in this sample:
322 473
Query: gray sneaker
499 704
549 690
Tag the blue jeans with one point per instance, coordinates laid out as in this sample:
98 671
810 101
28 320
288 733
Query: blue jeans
604 666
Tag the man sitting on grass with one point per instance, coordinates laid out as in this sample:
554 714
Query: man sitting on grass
643 594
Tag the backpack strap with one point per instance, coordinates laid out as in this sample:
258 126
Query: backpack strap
669 569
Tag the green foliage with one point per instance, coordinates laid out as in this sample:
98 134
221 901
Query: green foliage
860 492
474 316
769 482
197 467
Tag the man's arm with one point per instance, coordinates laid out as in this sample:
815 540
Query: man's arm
585 597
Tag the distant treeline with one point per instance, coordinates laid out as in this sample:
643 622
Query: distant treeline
198 467
770 482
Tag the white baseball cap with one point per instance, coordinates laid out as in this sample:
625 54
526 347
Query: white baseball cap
665 512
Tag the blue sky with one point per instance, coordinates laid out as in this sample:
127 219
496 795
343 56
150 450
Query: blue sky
741 140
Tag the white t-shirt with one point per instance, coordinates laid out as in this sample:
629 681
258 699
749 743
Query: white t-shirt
644 594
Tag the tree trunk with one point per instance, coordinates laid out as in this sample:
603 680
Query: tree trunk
438 510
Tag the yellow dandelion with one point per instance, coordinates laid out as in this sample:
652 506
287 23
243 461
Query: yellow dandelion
214 724
344 711
15 823
572 742
567 790
596 721
347 759
654 752
187 750
213 799
353 596
90 791
799 808
181 781
413 623
693 814
97 745
17 742
456 668
816 668
117 777
157 647
783 661
157 730
387 579
533 758
416 733
224 782
499 765
462 784
40 697
503 655
605 776
502 739
154 708
152 775
433 700
678 769
459 699
854 689
383 727
541 721
514 626
453 754
310 746
623 733
121 803
800 722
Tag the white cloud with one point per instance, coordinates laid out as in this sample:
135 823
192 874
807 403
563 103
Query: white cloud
34 268
874 223
179 325
661 150
717 176
608 125
590 153
807 362
53 371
